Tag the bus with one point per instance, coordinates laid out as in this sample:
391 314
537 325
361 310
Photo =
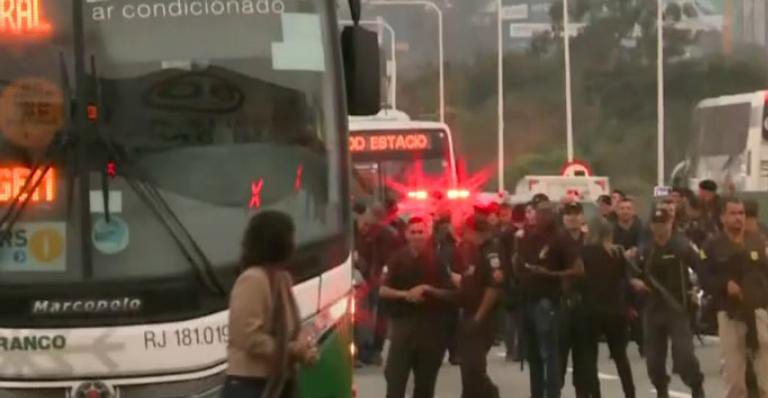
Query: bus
394 157
729 142
137 137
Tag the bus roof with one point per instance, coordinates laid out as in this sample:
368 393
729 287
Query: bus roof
379 125
753 97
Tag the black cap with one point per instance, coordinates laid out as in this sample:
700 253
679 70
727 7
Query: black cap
572 208
660 216
539 198
604 200
708 185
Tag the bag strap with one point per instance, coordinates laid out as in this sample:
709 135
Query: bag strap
277 383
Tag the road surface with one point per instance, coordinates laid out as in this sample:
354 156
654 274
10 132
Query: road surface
514 383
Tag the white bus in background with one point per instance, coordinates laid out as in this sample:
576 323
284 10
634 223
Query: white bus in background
692 16
403 159
729 142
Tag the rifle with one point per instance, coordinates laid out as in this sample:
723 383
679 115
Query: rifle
658 287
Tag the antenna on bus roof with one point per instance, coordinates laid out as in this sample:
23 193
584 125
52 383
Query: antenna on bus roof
355 11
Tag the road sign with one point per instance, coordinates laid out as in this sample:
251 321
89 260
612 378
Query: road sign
661 192
515 12
576 168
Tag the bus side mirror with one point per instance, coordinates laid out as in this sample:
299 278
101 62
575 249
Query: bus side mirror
360 51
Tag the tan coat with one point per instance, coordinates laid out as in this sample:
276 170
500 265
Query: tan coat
253 349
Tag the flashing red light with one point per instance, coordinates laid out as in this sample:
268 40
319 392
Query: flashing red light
299 178
458 194
256 188
418 195
390 142
601 184
22 17
13 179
93 112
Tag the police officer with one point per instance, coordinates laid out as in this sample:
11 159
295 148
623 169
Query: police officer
419 295
512 220
446 250
481 283
574 332
542 262
377 241
735 272
665 262
629 234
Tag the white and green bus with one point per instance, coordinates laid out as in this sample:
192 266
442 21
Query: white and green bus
137 137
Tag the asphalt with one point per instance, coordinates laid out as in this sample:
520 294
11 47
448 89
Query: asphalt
513 382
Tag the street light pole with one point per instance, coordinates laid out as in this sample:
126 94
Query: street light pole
440 44
382 24
500 61
660 90
393 56
568 93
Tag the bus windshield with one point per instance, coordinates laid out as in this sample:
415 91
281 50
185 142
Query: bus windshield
199 114
391 162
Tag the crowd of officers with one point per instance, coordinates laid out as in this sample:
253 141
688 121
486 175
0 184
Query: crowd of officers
563 284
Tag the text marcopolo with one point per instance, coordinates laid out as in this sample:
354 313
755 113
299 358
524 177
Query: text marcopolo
186 8
105 306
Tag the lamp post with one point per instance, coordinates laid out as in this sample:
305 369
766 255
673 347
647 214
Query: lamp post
660 90
440 45
500 62
568 93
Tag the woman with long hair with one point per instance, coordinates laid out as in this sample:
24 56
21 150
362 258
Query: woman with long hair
266 343
606 288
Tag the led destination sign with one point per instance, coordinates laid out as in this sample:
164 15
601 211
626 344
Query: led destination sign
389 142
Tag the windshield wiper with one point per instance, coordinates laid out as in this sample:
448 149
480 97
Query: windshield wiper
153 199
60 141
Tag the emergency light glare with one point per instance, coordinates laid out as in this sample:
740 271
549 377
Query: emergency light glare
418 195
22 17
458 194
13 180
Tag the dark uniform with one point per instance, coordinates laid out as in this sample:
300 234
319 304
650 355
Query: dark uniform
446 250
606 299
541 295
574 334
666 317
481 271
627 239
374 247
743 324
418 332
512 312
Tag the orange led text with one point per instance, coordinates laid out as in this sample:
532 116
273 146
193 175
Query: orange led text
22 17
13 179
389 142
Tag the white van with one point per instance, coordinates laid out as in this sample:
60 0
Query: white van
586 189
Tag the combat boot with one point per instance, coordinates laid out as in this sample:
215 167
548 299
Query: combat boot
697 392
